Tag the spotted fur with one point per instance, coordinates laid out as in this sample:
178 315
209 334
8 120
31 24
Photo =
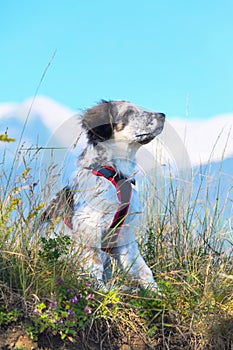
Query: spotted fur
115 131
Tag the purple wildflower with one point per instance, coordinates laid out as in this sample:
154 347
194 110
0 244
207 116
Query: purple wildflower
53 304
87 310
70 313
59 321
60 280
74 300
90 296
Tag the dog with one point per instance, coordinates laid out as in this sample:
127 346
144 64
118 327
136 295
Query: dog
100 208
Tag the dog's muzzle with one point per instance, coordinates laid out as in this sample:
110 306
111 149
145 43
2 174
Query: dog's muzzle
147 137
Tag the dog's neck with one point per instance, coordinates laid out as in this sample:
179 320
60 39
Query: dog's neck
119 155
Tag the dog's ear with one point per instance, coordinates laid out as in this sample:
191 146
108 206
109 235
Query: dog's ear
98 121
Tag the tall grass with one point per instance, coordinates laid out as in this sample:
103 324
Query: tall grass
40 284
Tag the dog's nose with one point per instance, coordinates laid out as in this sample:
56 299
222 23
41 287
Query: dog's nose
160 116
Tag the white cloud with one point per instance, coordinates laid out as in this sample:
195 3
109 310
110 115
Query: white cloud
51 113
7 109
199 140
206 139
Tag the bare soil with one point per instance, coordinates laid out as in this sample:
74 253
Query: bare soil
15 338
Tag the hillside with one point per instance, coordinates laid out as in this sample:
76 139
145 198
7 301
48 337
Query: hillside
46 302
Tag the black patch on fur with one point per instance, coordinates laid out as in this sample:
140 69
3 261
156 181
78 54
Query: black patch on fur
98 122
60 206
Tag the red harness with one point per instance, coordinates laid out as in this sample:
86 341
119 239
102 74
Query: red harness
124 192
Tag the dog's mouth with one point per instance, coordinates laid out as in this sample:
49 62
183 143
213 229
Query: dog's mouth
145 138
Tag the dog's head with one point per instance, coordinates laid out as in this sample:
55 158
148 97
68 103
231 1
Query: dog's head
121 120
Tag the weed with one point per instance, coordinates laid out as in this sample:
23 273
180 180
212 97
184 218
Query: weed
53 248
184 245
7 317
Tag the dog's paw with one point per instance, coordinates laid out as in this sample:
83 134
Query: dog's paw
124 289
99 285
152 288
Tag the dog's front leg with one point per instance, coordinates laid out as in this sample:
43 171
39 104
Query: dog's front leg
132 263
92 263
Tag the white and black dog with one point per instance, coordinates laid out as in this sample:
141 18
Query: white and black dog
100 209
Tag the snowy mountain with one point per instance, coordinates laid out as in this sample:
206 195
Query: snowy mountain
194 153
41 123
44 123
39 119
44 119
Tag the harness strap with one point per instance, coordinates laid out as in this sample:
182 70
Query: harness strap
124 192
67 222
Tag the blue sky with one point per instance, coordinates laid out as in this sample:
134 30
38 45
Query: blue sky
163 55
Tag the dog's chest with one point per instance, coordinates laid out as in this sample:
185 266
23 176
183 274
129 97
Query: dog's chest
96 201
